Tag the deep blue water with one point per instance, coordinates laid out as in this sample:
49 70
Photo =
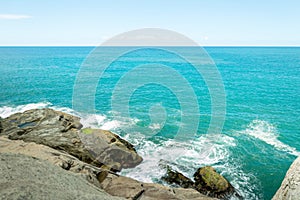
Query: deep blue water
260 137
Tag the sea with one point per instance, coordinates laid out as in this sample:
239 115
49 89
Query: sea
260 133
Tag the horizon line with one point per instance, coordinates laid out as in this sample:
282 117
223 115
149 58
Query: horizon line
149 46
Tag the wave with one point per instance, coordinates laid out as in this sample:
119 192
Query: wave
268 133
187 157
6 111
184 156
88 120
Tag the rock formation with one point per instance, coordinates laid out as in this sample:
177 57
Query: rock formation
45 154
62 131
109 149
290 186
110 182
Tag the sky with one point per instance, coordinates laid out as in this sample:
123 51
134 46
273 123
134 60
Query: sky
208 22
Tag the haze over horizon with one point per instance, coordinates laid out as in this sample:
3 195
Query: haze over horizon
209 23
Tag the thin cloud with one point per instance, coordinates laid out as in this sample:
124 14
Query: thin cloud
14 17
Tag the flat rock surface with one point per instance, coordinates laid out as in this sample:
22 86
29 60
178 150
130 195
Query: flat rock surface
24 177
55 157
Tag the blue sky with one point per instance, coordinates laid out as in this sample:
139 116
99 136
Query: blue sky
209 22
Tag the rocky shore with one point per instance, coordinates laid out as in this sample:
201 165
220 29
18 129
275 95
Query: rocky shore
290 186
46 154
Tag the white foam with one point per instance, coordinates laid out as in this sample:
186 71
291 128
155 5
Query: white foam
6 111
65 109
186 157
103 122
188 154
111 125
268 133
87 120
155 126
93 120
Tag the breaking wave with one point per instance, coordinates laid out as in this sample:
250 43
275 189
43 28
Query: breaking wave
268 133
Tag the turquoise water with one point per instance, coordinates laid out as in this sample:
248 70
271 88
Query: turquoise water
260 137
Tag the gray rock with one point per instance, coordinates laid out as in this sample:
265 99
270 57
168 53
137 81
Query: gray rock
24 177
191 194
61 131
110 149
122 186
58 158
46 126
290 186
1 128
133 189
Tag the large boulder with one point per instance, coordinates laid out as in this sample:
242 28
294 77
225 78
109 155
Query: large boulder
290 186
110 149
62 131
24 177
46 126
211 183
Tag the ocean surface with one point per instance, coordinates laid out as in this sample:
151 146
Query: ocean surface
261 133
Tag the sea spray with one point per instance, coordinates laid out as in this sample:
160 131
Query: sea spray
268 133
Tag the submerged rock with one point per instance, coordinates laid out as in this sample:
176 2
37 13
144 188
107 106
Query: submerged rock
24 177
211 183
61 131
290 186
